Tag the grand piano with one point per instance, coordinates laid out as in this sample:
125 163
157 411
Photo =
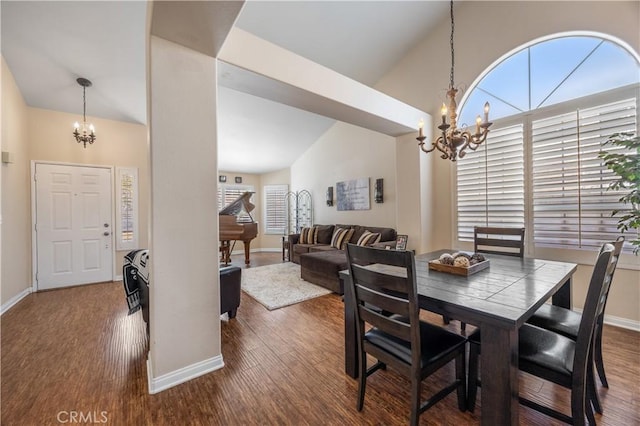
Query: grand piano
232 230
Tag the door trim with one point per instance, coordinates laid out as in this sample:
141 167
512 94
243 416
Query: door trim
34 243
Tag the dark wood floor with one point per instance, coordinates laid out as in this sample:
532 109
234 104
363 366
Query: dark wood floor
77 350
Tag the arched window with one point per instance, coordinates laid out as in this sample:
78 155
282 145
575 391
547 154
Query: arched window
554 102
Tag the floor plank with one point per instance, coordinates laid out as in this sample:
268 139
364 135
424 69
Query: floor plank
77 350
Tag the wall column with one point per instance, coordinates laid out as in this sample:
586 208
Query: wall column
184 282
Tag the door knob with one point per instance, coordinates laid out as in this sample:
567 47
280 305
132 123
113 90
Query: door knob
106 233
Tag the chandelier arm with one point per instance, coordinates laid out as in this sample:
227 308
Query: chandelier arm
433 146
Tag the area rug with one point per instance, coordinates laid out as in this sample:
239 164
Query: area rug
279 285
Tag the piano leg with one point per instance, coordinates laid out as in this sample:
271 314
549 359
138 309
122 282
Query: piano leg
247 246
225 250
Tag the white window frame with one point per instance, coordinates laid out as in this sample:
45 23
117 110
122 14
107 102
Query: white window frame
122 175
278 210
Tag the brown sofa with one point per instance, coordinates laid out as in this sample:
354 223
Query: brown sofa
320 263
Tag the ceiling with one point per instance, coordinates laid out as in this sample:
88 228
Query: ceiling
48 44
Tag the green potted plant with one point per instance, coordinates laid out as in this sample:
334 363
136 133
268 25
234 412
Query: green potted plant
627 166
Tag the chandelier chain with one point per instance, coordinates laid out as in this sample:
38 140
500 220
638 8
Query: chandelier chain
84 104
452 50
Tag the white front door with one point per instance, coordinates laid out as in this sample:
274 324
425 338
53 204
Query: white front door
73 225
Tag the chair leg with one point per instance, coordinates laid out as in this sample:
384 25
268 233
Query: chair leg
461 376
472 386
592 391
578 407
362 379
597 354
415 400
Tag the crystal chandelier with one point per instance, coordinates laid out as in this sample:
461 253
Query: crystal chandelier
452 141
85 134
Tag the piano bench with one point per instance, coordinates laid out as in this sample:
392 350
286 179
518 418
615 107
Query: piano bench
230 277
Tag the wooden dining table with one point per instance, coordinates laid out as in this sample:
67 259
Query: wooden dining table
498 299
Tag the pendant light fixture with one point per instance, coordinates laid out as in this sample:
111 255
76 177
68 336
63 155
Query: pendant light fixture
85 133
452 141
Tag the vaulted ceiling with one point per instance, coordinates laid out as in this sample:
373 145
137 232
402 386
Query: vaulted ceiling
48 44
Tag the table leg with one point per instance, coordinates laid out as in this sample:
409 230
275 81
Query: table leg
499 373
350 343
563 296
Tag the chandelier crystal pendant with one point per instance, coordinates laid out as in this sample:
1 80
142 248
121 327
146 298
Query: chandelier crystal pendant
85 133
452 141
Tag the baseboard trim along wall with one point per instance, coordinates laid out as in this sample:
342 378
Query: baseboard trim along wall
15 299
182 375
618 321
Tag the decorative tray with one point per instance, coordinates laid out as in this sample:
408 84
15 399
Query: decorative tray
459 270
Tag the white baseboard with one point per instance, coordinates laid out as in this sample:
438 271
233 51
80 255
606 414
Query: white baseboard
619 321
182 375
273 249
118 278
15 299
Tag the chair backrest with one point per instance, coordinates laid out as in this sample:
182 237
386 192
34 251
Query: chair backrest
495 240
617 249
594 304
383 282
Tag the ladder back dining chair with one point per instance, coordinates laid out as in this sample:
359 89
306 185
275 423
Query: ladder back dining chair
554 357
382 285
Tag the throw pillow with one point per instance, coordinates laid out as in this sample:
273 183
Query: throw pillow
308 235
341 237
368 238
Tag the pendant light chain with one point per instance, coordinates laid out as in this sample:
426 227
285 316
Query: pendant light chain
452 50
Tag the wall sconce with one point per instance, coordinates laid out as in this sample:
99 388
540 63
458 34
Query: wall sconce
378 192
330 196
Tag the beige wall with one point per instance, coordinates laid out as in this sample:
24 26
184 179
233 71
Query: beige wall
15 269
347 152
45 135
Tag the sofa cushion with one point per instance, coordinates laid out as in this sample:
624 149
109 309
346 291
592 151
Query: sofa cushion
341 236
325 232
321 247
368 238
326 262
302 248
386 234
308 235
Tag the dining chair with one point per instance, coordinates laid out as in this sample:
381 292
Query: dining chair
386 299
567 322
554 357
495 240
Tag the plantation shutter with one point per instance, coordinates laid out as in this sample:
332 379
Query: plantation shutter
229 193
490 183
275 210
571 204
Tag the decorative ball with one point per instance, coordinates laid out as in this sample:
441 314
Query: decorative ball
461 254
446 259
477 258
461 261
